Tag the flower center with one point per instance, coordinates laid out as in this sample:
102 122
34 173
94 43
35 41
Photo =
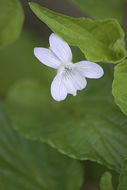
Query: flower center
66 67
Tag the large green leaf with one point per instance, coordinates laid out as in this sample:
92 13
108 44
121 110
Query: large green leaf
101 9
99 40
106 182
123 177
120 86
88 126
28 165
11 21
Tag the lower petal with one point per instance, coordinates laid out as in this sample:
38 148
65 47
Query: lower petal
58 89
90 69
74 81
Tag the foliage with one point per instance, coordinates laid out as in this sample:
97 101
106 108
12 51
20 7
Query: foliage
79 127
89 126
99 40
25 164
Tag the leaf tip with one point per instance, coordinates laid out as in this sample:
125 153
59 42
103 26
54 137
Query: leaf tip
31 3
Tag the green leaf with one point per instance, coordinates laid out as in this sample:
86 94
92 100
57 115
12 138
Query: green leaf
106 182
120 86
99 40
101 9
123 177
28 165
86 127
11 21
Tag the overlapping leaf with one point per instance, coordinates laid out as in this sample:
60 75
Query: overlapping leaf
99 40
28 165
88 126
11 21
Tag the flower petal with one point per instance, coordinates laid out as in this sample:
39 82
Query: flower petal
58 89
74 81
60 48
47 57
90 69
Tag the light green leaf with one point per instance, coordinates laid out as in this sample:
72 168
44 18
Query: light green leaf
120 86
101 9
99 40
86 127
28 165
123 177
11 21
106 182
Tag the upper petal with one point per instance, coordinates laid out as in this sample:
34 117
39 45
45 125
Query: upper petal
74 81
60 48
47 57
58 89
90 69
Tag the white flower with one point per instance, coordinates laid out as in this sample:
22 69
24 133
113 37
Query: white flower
70 77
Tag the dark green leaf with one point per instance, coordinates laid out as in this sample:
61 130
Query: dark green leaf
99 40
87 127
28 165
